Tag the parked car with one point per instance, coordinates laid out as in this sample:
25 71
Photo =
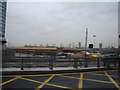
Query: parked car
111 55
81 54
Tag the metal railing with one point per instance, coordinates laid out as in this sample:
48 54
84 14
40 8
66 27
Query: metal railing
52 62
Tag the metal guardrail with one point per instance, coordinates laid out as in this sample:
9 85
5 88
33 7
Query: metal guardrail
51 62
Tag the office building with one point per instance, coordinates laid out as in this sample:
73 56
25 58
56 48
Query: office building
119 24
100 45
3 7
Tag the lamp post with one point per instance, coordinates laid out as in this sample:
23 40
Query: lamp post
94 36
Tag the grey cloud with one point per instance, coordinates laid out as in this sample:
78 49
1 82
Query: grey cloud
61 22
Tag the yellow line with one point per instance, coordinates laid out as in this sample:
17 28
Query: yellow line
44 82
69 77
9 81
31 80
100 71
112 80
97 74
8 76
80 85
96 80
58 86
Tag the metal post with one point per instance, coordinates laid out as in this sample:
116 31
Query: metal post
118 63
86 62
51 63
108 62
86 47
104 62
80 62
115 62
98 62
22 64
75 62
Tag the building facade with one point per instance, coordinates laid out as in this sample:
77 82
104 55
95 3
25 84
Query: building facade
119 24
100 45
3 7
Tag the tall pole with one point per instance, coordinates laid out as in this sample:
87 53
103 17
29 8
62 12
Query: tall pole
86 63
86 41
86 38
94 36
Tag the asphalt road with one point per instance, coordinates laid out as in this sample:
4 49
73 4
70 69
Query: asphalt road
96 79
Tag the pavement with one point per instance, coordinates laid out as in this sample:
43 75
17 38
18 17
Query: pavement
106 79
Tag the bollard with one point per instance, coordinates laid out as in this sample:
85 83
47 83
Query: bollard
104 62
80 62
22 64
115 62
108 62
86 61
75 62
51 63
98 62
118 63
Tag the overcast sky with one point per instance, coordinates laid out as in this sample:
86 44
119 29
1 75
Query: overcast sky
62 22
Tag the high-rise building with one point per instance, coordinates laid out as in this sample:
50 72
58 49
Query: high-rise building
79 45
100 45
3 7
119 24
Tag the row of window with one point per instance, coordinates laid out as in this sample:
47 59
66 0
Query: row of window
2 35
2 25
3 31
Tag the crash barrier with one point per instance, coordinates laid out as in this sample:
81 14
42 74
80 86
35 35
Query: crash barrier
52 62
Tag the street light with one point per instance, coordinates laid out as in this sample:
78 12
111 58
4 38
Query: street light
94 36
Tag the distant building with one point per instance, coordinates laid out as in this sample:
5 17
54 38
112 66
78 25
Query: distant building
100 45
79 45
119 24
3 7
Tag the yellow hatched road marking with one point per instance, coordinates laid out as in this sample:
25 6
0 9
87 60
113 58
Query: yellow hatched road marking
87 79
80 85
8 76
8 81
101 71
58 86
44 82
112 80
96 80
97 74
31 80
68 77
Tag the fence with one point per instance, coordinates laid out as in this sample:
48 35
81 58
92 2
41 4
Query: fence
52 62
